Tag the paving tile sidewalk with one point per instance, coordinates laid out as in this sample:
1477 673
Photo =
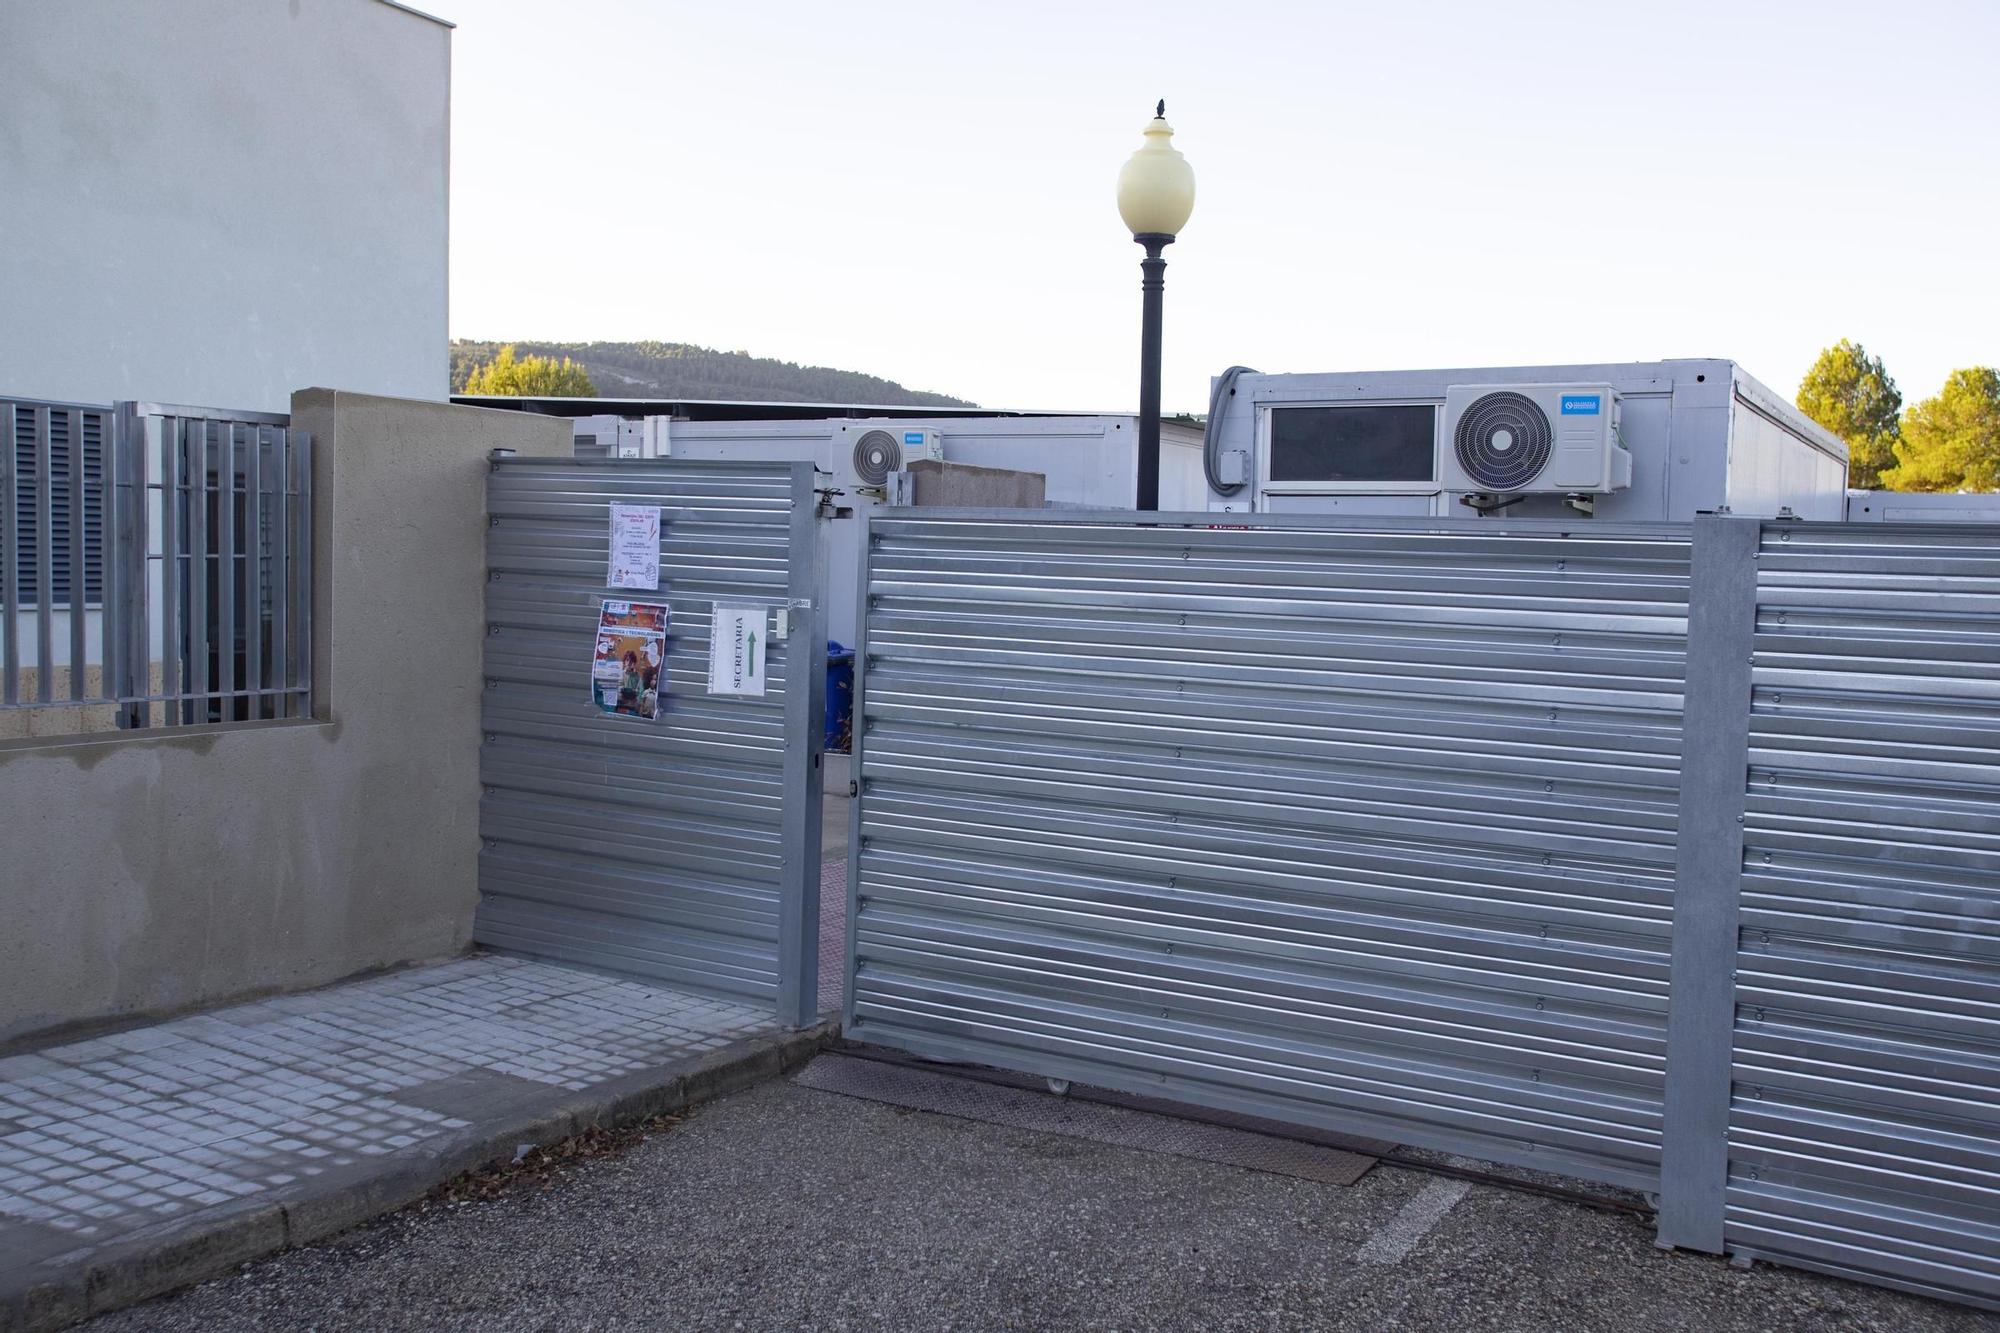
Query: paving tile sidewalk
256 1111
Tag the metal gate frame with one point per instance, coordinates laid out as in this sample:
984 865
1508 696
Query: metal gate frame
713 884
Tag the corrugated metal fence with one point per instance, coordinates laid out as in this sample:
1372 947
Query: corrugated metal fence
1378 826
684 848
1864 1125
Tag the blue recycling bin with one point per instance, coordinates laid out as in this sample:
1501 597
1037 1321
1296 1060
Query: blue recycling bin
839 698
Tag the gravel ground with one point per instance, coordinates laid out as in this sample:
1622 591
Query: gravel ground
785 1208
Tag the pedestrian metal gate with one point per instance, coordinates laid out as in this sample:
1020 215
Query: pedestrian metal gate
1411 828
683 849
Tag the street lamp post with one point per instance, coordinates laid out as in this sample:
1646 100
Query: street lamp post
1155 197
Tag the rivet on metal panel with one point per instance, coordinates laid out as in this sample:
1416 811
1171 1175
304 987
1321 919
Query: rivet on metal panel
1557 642
1784 536
1548 786
1561 565
491 737
1760 1015
1535 1074
1777 699
1548 860
1170 948
1784 617
1540 1004
1544 932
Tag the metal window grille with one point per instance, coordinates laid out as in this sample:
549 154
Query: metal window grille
156 558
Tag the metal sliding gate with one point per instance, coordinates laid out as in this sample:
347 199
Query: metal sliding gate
685 848
1380 826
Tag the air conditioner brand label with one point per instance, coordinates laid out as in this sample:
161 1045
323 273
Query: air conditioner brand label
1582 405
913 437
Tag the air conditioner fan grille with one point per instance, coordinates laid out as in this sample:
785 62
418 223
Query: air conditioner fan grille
876 455
1503 440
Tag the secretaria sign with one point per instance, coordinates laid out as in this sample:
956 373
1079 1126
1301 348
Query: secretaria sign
738 641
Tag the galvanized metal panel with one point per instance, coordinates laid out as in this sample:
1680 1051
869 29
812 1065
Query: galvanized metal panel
1865 1117
1364 824
683 849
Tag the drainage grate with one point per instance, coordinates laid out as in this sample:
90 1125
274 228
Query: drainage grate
1096 1121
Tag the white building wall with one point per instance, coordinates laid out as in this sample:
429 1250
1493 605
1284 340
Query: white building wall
221 201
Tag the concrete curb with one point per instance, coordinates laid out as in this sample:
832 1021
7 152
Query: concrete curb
181 1253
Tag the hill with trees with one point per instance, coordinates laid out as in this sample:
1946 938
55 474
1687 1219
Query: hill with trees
682 370
529 377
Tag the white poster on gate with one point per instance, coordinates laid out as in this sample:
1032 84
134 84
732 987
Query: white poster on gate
737 642
635 547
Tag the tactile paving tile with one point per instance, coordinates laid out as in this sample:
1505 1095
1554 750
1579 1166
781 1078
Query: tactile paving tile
100 1137
1098 1122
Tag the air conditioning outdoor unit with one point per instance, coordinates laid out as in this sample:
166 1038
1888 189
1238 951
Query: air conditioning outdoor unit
1516 439
864 458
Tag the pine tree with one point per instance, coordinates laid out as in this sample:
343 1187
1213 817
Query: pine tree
1848 392
1952 442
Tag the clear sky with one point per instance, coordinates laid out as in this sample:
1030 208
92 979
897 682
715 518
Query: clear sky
924 190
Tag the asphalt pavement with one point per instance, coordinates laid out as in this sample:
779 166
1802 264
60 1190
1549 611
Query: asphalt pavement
787 1208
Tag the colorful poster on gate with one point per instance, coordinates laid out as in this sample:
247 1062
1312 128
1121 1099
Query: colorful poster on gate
628 672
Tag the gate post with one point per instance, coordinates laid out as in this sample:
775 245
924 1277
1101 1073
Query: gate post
1708 881
805 722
